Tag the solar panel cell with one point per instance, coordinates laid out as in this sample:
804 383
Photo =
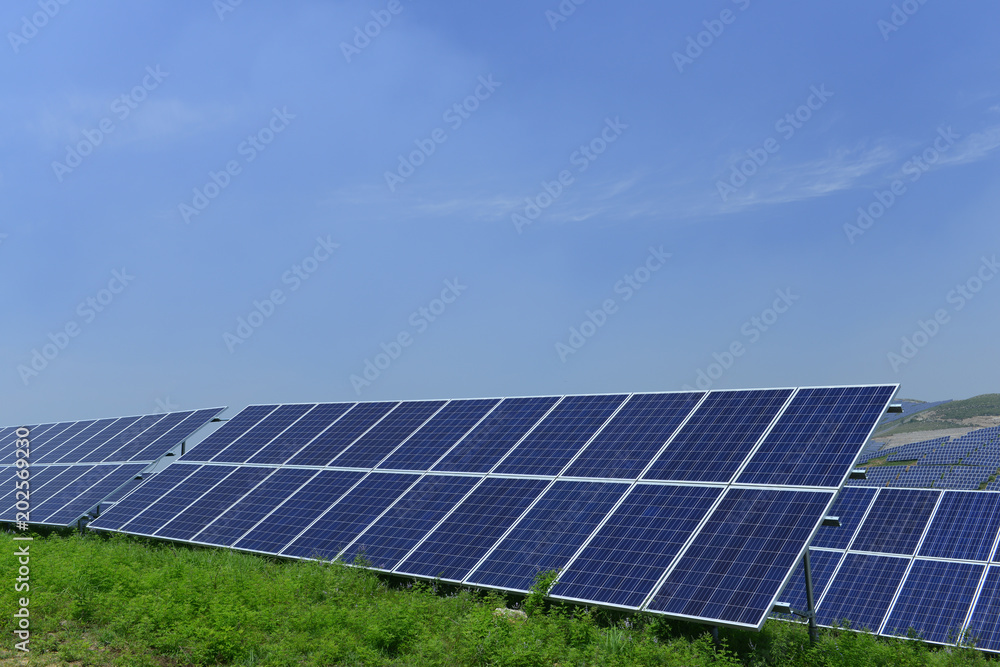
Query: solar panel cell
861 591
934 600
896 521
340 434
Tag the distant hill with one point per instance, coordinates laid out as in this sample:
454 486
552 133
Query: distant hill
978 411
910 406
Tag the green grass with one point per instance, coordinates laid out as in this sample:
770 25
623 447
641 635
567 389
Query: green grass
124 601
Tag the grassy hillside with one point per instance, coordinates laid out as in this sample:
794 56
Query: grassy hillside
948 415
123 601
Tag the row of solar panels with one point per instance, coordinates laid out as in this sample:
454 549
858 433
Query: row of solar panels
126 439
805 437
909 560
491 492
74 466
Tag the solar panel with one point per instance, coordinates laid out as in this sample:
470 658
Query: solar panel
719 436
625 559
984 624
934 600
78 465
387 540
964 527
817 437
740 559
462 539
548 535
861 591
560 435
851 506
630 498
896 521
633 437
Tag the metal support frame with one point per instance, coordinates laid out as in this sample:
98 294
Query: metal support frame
810 613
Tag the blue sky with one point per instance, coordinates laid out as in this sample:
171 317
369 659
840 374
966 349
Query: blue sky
489 199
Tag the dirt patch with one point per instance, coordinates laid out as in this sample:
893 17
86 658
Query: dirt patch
918 436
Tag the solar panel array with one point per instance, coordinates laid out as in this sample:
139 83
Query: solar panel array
76 465
695 505
909 560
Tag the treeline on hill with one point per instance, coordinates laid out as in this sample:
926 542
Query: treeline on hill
948 415
123 601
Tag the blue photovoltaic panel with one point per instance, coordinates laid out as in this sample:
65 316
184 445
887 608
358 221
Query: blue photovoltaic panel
69 445
48 438
964 526
385 436
302 508
896 521
480 450
261 433
187 524
116 517
228 432
99 488
84 452
632 438
389 539
346 430
172 434
352 514
984 625
548 535
548 448
244 515
126 488
861 591
818 436
739 560
454 548
850 507
438 435
628 555
163 424
63 488
300 434
43 483
176 501
111 445
719 436
934 600
821 567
